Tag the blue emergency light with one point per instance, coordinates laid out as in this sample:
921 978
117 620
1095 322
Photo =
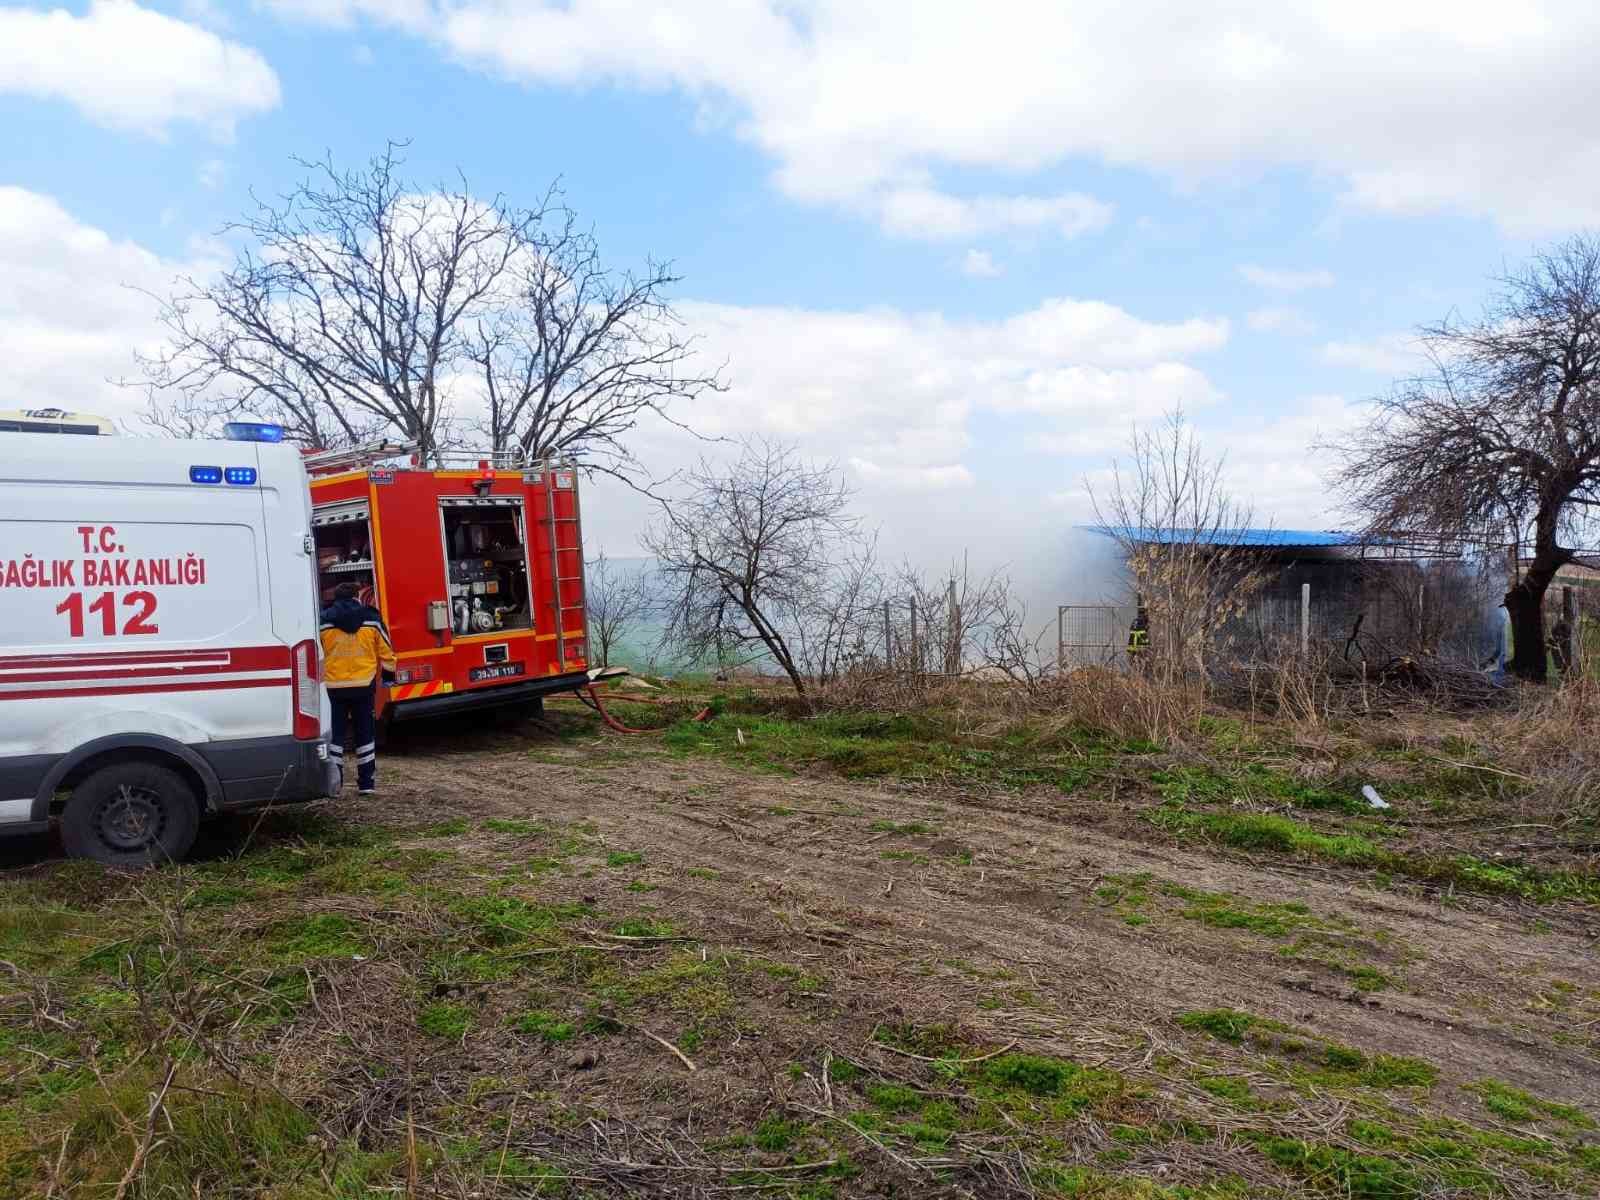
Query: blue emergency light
252 431
205 474
242 476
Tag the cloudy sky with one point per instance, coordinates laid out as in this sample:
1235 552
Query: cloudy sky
960 247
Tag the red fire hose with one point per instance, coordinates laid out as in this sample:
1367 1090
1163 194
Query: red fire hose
593 700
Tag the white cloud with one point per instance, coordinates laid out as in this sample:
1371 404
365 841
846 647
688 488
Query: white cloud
896 393
133 68
924 213
406 14
1390 354
73 308
1276 280
1476 106
980 264
1280 320
1095 407
912 479
212 172
1274 467
1277 467
899 394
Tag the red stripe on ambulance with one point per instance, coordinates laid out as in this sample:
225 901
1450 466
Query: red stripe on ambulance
54 667
136 689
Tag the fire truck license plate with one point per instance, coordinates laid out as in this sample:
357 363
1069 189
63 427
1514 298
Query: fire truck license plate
497 671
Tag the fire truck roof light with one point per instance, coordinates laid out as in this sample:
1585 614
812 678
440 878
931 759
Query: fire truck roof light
252 431
205 474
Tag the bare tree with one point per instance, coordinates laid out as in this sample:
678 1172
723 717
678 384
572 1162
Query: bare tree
836 629
345 313
956 612
1184 540
1500 440
618 600
753 551
576 355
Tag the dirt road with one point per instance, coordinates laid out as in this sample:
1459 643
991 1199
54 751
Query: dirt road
1066 927
589 965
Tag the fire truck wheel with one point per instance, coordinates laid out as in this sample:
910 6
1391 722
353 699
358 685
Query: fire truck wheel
131 814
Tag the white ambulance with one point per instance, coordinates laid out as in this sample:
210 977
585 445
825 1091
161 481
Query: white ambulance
158 638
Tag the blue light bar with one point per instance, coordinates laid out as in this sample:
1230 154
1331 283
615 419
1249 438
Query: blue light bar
252 431
205 474
242 476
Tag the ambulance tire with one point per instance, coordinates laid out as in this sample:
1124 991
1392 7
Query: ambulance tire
131 814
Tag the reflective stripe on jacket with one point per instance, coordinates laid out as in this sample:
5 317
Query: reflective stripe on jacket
354 659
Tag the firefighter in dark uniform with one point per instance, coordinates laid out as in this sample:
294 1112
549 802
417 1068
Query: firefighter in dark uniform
355 654
1139 638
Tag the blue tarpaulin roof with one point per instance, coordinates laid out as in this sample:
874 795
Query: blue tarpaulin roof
1275 539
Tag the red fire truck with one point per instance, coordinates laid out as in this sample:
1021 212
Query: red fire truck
478 573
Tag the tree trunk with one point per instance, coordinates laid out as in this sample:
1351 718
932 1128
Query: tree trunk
1525 603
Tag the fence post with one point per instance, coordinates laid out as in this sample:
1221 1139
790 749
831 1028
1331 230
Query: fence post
952 647
1305 620
916 646
1569 614
888 637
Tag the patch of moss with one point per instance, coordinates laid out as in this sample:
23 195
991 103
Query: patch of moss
1514 1104
1226 1024
1341 1172
1228 1087
444 1019
543 1025
454 827
513 825
776 1134
319 935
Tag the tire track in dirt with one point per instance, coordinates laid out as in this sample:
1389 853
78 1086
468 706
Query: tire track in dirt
815 877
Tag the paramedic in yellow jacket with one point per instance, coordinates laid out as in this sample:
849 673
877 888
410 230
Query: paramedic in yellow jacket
355 654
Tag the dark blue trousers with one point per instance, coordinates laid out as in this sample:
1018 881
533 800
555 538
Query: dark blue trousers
353 718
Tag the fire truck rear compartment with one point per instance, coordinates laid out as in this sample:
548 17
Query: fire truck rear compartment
488 566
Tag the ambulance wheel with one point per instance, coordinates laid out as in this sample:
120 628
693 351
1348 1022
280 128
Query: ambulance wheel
131 814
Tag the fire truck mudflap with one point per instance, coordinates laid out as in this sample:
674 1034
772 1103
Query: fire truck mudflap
478 574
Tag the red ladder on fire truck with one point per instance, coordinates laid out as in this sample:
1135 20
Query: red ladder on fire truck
553 524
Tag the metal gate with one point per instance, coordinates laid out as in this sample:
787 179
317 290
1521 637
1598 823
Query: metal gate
1088 635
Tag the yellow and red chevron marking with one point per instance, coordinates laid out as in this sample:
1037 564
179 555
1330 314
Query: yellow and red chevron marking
415 691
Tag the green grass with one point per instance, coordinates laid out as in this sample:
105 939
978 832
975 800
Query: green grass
624 858
322 935
1269 832
1278 834
1223 911
906 827
513 825
444 1019
1310 1060
543 1025
1343 1173
454 827
506 920
1225 1024
1228 1087
1513 1104
923 746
